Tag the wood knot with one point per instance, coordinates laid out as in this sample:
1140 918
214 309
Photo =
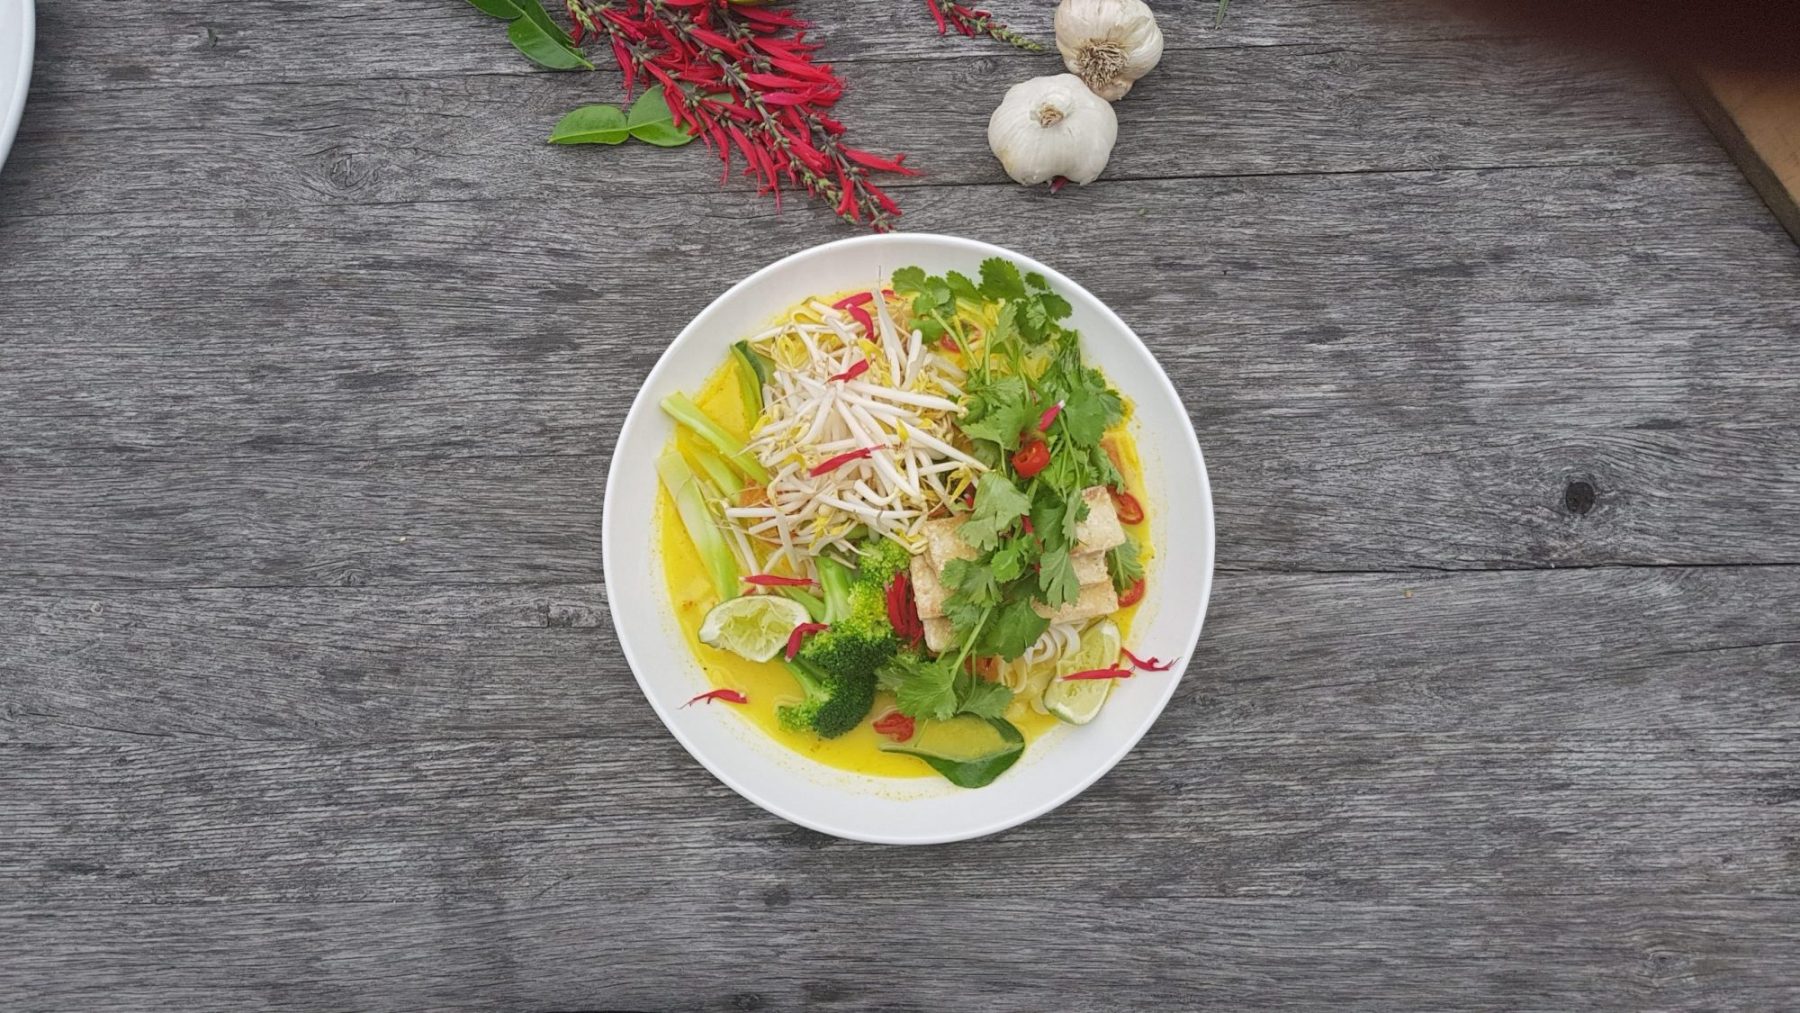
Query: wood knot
1579 497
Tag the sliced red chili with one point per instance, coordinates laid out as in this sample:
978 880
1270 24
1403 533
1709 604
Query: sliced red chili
798 637
1098 673
1128 508
903 611
777 580
859 299
1046 420
895 725
1133 594
861 316
857 368
1032 458
834 463
727 695
1146 664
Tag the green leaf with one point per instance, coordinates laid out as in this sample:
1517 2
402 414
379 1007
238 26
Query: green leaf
534 34
1056 578
909 280
506 10
1000 279
982 772
961 287
1037 281
652 122
999 412
1012 630
972 581
1124 564
998 503
1008 561
922 689
594 124
986 699
1055 306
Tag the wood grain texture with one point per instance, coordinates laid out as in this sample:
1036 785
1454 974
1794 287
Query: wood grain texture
311 360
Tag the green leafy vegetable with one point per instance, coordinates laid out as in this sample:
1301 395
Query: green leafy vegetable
998 503
1000 279
1014 627
652 122
1124 566
1056 578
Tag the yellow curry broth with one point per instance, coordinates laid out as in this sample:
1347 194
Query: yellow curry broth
768 685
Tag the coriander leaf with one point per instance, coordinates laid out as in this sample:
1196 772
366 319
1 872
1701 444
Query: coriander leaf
1124 565
1012 630
909 280
925 689
652 122
1090 408
1008 561
593 124
1000 279
999 412
986 699
1037 281
965 616
961 287
1055 306
1056 578
973 581
928 328
998 503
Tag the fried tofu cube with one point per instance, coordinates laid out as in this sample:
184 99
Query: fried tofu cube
940 636
1090 568
1096 600
1101 530
942 544
928 591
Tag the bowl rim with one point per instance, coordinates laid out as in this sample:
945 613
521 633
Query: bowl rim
13 109
644 403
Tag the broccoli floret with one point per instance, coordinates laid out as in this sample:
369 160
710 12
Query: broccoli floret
833 705
860 638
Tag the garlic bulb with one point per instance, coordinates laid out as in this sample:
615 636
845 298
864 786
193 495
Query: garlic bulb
1053 126
1108 43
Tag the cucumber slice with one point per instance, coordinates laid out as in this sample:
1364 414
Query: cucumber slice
969 751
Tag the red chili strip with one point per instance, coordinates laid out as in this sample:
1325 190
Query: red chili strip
834 463
796 638
776 580
727 695
859 299
1049 417
903 611
895 725
1098 673
861 316
858 368
1147 664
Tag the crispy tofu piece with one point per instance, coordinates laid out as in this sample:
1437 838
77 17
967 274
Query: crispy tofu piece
1101 530
928 591
1096 600
1090 568
941 543
940 636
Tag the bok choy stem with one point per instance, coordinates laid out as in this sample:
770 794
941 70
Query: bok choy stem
690 501
684 411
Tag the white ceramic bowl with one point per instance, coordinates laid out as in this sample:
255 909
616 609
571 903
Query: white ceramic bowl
16 36
1054 768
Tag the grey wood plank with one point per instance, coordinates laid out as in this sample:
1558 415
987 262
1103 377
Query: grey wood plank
1200 810
1307 495
1251 111
1642 648
786 952
191 42
1412 298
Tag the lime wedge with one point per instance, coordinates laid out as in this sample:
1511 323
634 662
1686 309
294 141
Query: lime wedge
1077 702
755 626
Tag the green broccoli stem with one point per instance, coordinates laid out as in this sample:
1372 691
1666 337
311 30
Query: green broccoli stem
810 679
684 411
835 579
690 503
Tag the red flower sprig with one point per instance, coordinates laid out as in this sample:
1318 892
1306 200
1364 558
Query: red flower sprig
972 22
744 79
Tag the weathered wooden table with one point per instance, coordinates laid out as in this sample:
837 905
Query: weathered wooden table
311 357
